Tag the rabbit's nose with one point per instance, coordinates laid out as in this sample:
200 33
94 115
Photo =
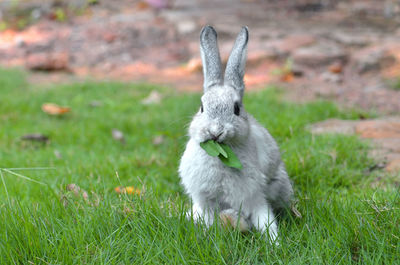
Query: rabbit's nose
215 136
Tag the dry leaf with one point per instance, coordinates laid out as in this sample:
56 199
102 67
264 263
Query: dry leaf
79 192
128 190
153 98
35 137
142 5
287 77
95 103
118 135
58 154
194 65
54 109
296 212
74 188
159 139
336 68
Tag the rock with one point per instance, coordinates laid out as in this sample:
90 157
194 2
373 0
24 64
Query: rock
376 129
256 57
48 61
288 45
387 128
19 41
351 38
393 166
186 26
297 71
384 134
319 55
331 77
109 37
389 145
159 4
372 59
333 126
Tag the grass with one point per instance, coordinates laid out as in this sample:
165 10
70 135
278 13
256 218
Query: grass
394 84
345 219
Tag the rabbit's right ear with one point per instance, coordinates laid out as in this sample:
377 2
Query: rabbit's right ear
212 69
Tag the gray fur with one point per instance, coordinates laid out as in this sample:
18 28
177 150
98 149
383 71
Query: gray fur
212 68
263 184
235 67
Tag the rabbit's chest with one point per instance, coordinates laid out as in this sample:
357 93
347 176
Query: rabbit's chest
209 177
226 186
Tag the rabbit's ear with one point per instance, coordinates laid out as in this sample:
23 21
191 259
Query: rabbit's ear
212 68
234 72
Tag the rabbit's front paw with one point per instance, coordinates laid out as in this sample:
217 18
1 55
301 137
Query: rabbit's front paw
199 215
264 220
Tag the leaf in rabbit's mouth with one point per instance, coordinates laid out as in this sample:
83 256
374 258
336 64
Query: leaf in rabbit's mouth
224 153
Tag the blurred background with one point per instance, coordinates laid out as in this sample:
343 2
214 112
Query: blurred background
347 51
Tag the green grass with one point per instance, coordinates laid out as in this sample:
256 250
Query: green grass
345 220
394 84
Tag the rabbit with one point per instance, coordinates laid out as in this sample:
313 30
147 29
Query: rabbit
251 195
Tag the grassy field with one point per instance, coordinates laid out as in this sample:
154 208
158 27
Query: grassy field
348 216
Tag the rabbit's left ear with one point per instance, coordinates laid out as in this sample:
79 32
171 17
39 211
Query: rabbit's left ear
234 72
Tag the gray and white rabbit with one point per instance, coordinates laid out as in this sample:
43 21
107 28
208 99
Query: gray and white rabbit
262 186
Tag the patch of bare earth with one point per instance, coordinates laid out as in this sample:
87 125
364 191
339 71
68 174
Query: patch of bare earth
344 51
383 133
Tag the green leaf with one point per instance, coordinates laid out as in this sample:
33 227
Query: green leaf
210 147
221 150
232 160
224 153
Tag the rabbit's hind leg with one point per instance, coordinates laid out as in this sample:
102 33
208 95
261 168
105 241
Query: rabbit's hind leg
231 219
280 190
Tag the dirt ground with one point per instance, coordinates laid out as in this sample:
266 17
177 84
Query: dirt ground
344 51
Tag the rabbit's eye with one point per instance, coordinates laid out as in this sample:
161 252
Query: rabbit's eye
201 108
236 109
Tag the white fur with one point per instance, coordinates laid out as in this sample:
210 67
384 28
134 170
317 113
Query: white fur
255 191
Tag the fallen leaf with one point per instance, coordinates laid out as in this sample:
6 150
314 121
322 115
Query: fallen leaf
35 137
77 193
128 190
287 77
118 135
194 65
74 188
159 139
54 109
58 154
296 212
336 68
95 104
142 5
153 98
